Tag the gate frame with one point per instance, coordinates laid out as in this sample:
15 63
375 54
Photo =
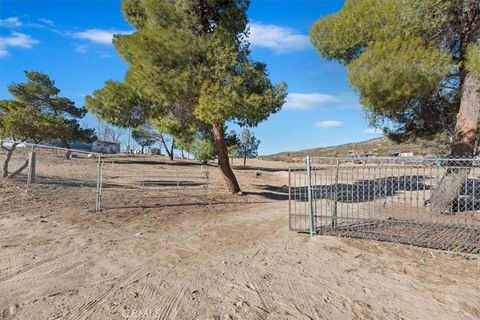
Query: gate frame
99 187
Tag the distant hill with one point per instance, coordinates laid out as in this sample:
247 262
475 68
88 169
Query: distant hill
378 146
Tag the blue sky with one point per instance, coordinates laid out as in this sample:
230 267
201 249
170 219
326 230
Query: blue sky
71 41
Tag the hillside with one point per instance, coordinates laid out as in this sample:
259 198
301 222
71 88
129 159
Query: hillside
378 146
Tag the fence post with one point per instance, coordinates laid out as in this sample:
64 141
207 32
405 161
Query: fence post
310 198
31 168
207 177
98 196
335 197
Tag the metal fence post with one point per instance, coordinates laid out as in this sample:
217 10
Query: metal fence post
289 199
31 168
310 198
207 177
335 197
98 201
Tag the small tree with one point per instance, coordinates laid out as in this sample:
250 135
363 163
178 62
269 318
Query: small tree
22 123
203 149
108 132
202 145
248 146
144 136
38 114
41 94
232 142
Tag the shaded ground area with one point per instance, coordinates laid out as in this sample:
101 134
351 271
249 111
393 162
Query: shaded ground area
231 259
450 237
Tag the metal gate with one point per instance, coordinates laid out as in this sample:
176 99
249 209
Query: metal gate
387 199
137 183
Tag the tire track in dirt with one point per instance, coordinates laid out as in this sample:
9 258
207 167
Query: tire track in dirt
173 301
33 266
298 290
89 307
298 293
148 295
257 287
260 287
149 303
65 269
38 283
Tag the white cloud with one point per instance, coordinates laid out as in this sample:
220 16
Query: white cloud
98 36
16 40
46 21
307 101
278 38
372 131
329 124
11 22
317 100
81 48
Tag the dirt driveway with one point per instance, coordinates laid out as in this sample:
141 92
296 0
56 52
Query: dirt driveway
231 259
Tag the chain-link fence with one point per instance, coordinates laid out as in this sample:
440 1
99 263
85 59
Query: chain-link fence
428 202
34 167
100 182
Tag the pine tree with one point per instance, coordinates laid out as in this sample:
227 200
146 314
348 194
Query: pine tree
189 61
37 113
248 146
416 64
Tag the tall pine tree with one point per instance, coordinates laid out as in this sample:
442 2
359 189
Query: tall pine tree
415 63
189 63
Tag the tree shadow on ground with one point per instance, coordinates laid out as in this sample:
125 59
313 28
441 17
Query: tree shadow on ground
369 190
270 192
154 162
382 188
253 168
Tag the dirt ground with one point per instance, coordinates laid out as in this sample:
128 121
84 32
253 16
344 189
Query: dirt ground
232 259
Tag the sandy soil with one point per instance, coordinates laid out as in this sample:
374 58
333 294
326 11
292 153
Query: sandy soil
231 259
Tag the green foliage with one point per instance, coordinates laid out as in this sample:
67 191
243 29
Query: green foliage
22 123
189 68
248 144
145 136
38 113
388 82
202 146
118 104
404 59
189 63
203 149
232 141
472 62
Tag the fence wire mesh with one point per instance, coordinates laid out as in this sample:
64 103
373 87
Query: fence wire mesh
139 183
97 181
430 202
36 167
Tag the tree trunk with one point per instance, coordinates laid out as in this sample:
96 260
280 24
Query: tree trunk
169 153
464 140
244 161
171 149
223 163
143 148
445 196
68 153
19 170
7 159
